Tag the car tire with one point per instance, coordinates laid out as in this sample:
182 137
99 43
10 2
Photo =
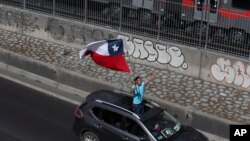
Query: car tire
200 28
146 17
89 136
114 10
238 36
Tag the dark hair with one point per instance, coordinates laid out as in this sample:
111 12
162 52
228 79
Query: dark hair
138 77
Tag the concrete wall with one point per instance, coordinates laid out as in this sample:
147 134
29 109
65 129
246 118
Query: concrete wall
56 30
227 70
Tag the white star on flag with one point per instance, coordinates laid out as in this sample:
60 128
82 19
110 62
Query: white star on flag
115 47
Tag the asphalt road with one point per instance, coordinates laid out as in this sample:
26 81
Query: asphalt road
29 115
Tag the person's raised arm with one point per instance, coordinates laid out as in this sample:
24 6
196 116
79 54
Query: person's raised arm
149 77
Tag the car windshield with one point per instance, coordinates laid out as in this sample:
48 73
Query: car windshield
162 126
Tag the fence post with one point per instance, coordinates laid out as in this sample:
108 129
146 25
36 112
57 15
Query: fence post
54 7
207 29
24 4
120 22
85 10
159 22
207 35
203 18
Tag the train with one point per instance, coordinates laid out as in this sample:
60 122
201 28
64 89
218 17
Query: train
228 19
223 18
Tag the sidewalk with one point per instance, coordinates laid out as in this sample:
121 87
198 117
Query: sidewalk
211 98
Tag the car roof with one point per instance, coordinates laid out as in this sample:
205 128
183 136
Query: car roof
123 100
119 99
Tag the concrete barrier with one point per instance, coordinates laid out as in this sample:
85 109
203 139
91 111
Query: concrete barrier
37 67
211 124
84 82
4 54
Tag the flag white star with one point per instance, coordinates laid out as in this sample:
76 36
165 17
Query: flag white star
115 47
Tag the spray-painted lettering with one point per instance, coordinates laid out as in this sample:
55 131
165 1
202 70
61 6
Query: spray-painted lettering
236 73
145 50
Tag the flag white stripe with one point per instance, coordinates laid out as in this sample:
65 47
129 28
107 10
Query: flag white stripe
99 47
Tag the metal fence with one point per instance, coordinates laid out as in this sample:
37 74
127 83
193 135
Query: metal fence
206 24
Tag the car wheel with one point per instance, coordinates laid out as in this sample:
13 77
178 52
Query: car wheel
200 28
146 17
89 136
171 21
114 10
238 36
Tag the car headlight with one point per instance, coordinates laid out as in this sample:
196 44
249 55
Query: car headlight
177 127
169 132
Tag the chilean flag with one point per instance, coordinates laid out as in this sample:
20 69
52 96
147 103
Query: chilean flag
107 53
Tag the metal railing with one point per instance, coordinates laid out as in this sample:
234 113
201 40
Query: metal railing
205 27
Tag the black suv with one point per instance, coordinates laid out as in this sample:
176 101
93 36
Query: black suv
107 115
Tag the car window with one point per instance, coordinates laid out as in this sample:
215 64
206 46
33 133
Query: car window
97 112
162 126
124 123
107 116
134 128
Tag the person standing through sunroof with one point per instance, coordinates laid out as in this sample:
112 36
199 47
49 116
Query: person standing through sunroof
137 90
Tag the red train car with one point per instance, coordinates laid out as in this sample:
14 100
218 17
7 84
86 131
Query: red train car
226 18
229 19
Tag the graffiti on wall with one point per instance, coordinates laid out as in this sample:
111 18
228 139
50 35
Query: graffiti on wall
146 50
74 33
20 20
236 73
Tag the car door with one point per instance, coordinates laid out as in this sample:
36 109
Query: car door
108 125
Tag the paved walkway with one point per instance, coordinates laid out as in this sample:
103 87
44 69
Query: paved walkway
205 96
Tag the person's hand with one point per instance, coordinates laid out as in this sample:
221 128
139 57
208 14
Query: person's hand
149 77
152 72
157 127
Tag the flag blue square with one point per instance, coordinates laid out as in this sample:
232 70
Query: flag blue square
115 47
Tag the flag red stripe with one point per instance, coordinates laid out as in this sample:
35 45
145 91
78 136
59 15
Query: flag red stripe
116 62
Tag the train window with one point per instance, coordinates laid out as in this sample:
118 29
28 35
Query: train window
241 4
213 6
200 4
